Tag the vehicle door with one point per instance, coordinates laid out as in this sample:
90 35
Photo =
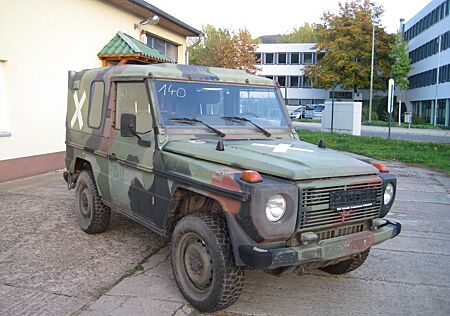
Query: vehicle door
131 162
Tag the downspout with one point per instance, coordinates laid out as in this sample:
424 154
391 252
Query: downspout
189 48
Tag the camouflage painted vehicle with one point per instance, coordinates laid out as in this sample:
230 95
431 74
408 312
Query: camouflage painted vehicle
210 157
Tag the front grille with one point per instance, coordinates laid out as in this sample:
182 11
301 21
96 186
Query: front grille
343 231
315 211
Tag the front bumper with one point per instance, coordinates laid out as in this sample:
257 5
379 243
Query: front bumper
324 250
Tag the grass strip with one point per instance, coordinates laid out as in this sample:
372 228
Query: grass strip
432 155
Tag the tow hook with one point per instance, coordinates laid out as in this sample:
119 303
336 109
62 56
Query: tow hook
70 180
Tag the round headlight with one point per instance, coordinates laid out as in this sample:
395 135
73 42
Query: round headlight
275 208
388 193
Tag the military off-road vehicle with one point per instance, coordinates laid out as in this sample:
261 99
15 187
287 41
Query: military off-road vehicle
209 157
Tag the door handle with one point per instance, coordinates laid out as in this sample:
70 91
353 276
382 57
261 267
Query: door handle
112 156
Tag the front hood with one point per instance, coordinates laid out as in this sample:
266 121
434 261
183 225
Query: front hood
290 159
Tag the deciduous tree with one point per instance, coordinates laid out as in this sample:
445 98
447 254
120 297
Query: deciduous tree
225 48
401 67
301 34
346 40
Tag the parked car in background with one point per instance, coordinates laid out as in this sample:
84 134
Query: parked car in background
314 111
317 113
309 110
298 113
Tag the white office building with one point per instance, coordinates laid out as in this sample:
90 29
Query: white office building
285 63
428 34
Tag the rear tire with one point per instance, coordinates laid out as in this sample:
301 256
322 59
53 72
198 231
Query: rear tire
203 262
347 265
93 215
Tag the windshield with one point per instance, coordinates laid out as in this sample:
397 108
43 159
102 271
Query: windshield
319 108
210 103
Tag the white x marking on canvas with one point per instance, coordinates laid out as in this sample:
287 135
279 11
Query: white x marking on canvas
78 106
282 148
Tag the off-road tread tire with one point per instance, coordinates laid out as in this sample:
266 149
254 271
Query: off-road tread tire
347 265
100 217
228 292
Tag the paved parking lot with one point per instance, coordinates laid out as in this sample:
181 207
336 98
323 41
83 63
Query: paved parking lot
49 266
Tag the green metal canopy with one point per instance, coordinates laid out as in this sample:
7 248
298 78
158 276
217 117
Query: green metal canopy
125 49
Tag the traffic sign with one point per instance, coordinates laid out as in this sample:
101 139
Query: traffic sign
391 88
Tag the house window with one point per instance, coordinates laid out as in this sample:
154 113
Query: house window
96 104
282 81
269 58
165 47
295 58
3 114
282 58
294 81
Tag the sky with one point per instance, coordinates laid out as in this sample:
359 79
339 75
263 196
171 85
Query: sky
267 17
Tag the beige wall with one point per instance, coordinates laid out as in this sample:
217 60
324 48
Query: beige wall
40 40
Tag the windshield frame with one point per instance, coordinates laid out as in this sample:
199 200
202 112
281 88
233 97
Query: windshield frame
244 129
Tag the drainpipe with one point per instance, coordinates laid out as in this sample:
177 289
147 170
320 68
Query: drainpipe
189 48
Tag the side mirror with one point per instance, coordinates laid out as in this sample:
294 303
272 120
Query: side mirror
128 125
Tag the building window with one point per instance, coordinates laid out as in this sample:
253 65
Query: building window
96 104
341 95
307 82
295 58
294 81
281 81
293 101
3 114
427 21
167 48
306 101
282 58
269 58
307 58
258 58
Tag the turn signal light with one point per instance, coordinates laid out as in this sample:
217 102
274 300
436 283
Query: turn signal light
251 176
380 167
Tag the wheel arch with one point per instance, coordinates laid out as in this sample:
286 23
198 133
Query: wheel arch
184 196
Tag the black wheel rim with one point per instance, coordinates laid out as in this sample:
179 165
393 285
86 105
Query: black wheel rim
196 261
85 210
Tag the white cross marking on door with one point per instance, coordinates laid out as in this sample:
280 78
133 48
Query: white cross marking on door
78 106
282 148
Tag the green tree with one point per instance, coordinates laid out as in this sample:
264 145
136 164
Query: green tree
401 67
301 34
346 40
225 48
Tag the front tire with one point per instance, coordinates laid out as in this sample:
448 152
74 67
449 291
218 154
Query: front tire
93 215
203 262
347 265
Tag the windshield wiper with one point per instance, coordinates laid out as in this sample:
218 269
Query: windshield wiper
188 120
243 119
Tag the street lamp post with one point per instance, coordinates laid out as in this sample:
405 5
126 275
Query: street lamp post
371 72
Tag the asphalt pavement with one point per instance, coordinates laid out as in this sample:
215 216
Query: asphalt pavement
414 134
49 266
